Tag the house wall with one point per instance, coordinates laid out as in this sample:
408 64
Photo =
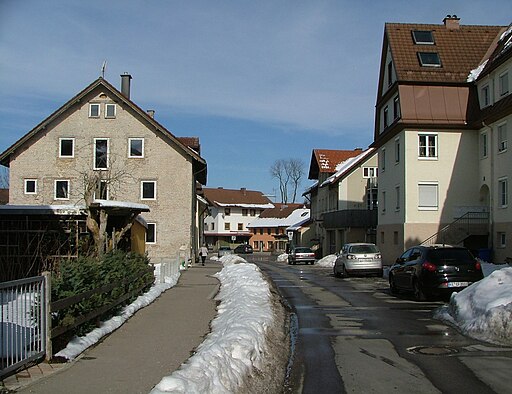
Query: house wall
171 211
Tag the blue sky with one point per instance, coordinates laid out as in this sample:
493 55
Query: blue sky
256 81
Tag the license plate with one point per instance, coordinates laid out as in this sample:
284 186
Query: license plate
458 284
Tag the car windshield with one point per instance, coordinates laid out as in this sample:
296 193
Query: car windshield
453 256
303 250
363 249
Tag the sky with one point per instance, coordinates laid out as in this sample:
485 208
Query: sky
255 81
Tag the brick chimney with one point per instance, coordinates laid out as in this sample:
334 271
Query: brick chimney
451 22
151 113
125 84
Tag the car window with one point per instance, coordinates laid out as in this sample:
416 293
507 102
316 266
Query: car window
415 255
303 250
357 249
450 256
405 256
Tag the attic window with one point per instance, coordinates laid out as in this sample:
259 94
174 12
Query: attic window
429 59
424 37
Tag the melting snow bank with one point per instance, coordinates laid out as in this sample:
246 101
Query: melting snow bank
246 344
484 309
78 344
327 261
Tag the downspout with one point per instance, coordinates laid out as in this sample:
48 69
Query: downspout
490 148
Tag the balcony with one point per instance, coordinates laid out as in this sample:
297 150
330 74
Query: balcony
362 218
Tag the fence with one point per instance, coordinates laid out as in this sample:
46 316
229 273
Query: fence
23 321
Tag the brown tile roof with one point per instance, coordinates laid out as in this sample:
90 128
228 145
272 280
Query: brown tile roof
326 160
280 210
191 142
460 50
238 196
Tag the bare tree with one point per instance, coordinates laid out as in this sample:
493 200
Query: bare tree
289 174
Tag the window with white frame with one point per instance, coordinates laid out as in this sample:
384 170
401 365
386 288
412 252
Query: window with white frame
227 226
428 196
502 137
66 147
369 172
427 145
397 150
101 151
503 84
94 110
503 192
103 190
484 96
383 160
136 147
502 239
397 198
110 110
61 189
483 144
151 233
30 186
148 190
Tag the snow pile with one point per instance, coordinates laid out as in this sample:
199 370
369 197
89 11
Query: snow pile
78 344
237 342
282 258
484 309
327 261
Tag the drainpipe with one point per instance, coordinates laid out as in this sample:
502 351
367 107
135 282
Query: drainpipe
491 147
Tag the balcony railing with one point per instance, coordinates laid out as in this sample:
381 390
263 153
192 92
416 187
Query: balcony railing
362 218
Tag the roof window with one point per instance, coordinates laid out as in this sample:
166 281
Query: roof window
423 37
429 59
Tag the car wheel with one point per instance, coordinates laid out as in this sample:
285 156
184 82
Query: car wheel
380 274
289 262
419 294
344 273
392 285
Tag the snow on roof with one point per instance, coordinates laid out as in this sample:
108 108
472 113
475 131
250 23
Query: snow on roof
261 206
297 217
346 165
308 189
69 209
474 74
121 204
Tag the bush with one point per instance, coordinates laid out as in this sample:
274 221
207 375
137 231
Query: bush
79 275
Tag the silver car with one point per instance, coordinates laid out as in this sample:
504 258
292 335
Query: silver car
358 258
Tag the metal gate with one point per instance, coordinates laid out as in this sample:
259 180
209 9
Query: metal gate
23 323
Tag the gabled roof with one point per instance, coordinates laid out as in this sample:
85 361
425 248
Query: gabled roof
199 164
460 50
346 167
326 160
243 198
280 210
283 215
501 51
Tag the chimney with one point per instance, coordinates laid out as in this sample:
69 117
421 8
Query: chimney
125 84
451 22
151 113
243 190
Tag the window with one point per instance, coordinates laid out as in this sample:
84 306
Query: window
240 226
424 37
483 145
371 199
428 196
395 237
386 117
253 212
502 240
227 226
213 226
390 73
245 212
503 192
66 147
151 233
136 147
62 190
485 96
382 239
369 172
94 110
148 190
502 137
110 110
269 231
30 186
100 153
383 159
397 150
227 211
429 59
503 84
383 202
427 146
396 108
397 198
261 231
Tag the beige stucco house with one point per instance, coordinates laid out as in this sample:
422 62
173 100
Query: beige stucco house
434 184
101 131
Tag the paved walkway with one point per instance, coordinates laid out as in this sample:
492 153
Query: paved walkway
150 345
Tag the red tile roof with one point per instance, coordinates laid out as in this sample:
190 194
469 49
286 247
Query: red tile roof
326 160
280 210
238 196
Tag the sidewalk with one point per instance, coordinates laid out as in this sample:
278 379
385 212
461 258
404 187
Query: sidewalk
150 345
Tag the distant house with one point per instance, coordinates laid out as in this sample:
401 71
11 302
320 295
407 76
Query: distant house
280 226
441 135
102 134
328 196
230 212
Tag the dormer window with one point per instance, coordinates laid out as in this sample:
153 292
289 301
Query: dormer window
429 59
423 37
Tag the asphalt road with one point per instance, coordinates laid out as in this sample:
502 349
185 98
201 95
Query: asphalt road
352 335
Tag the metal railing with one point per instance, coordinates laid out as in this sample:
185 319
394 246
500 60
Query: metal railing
455 232
23 323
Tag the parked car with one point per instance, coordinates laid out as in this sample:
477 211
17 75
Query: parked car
358 258
435 270
243 249
224 250
301 254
